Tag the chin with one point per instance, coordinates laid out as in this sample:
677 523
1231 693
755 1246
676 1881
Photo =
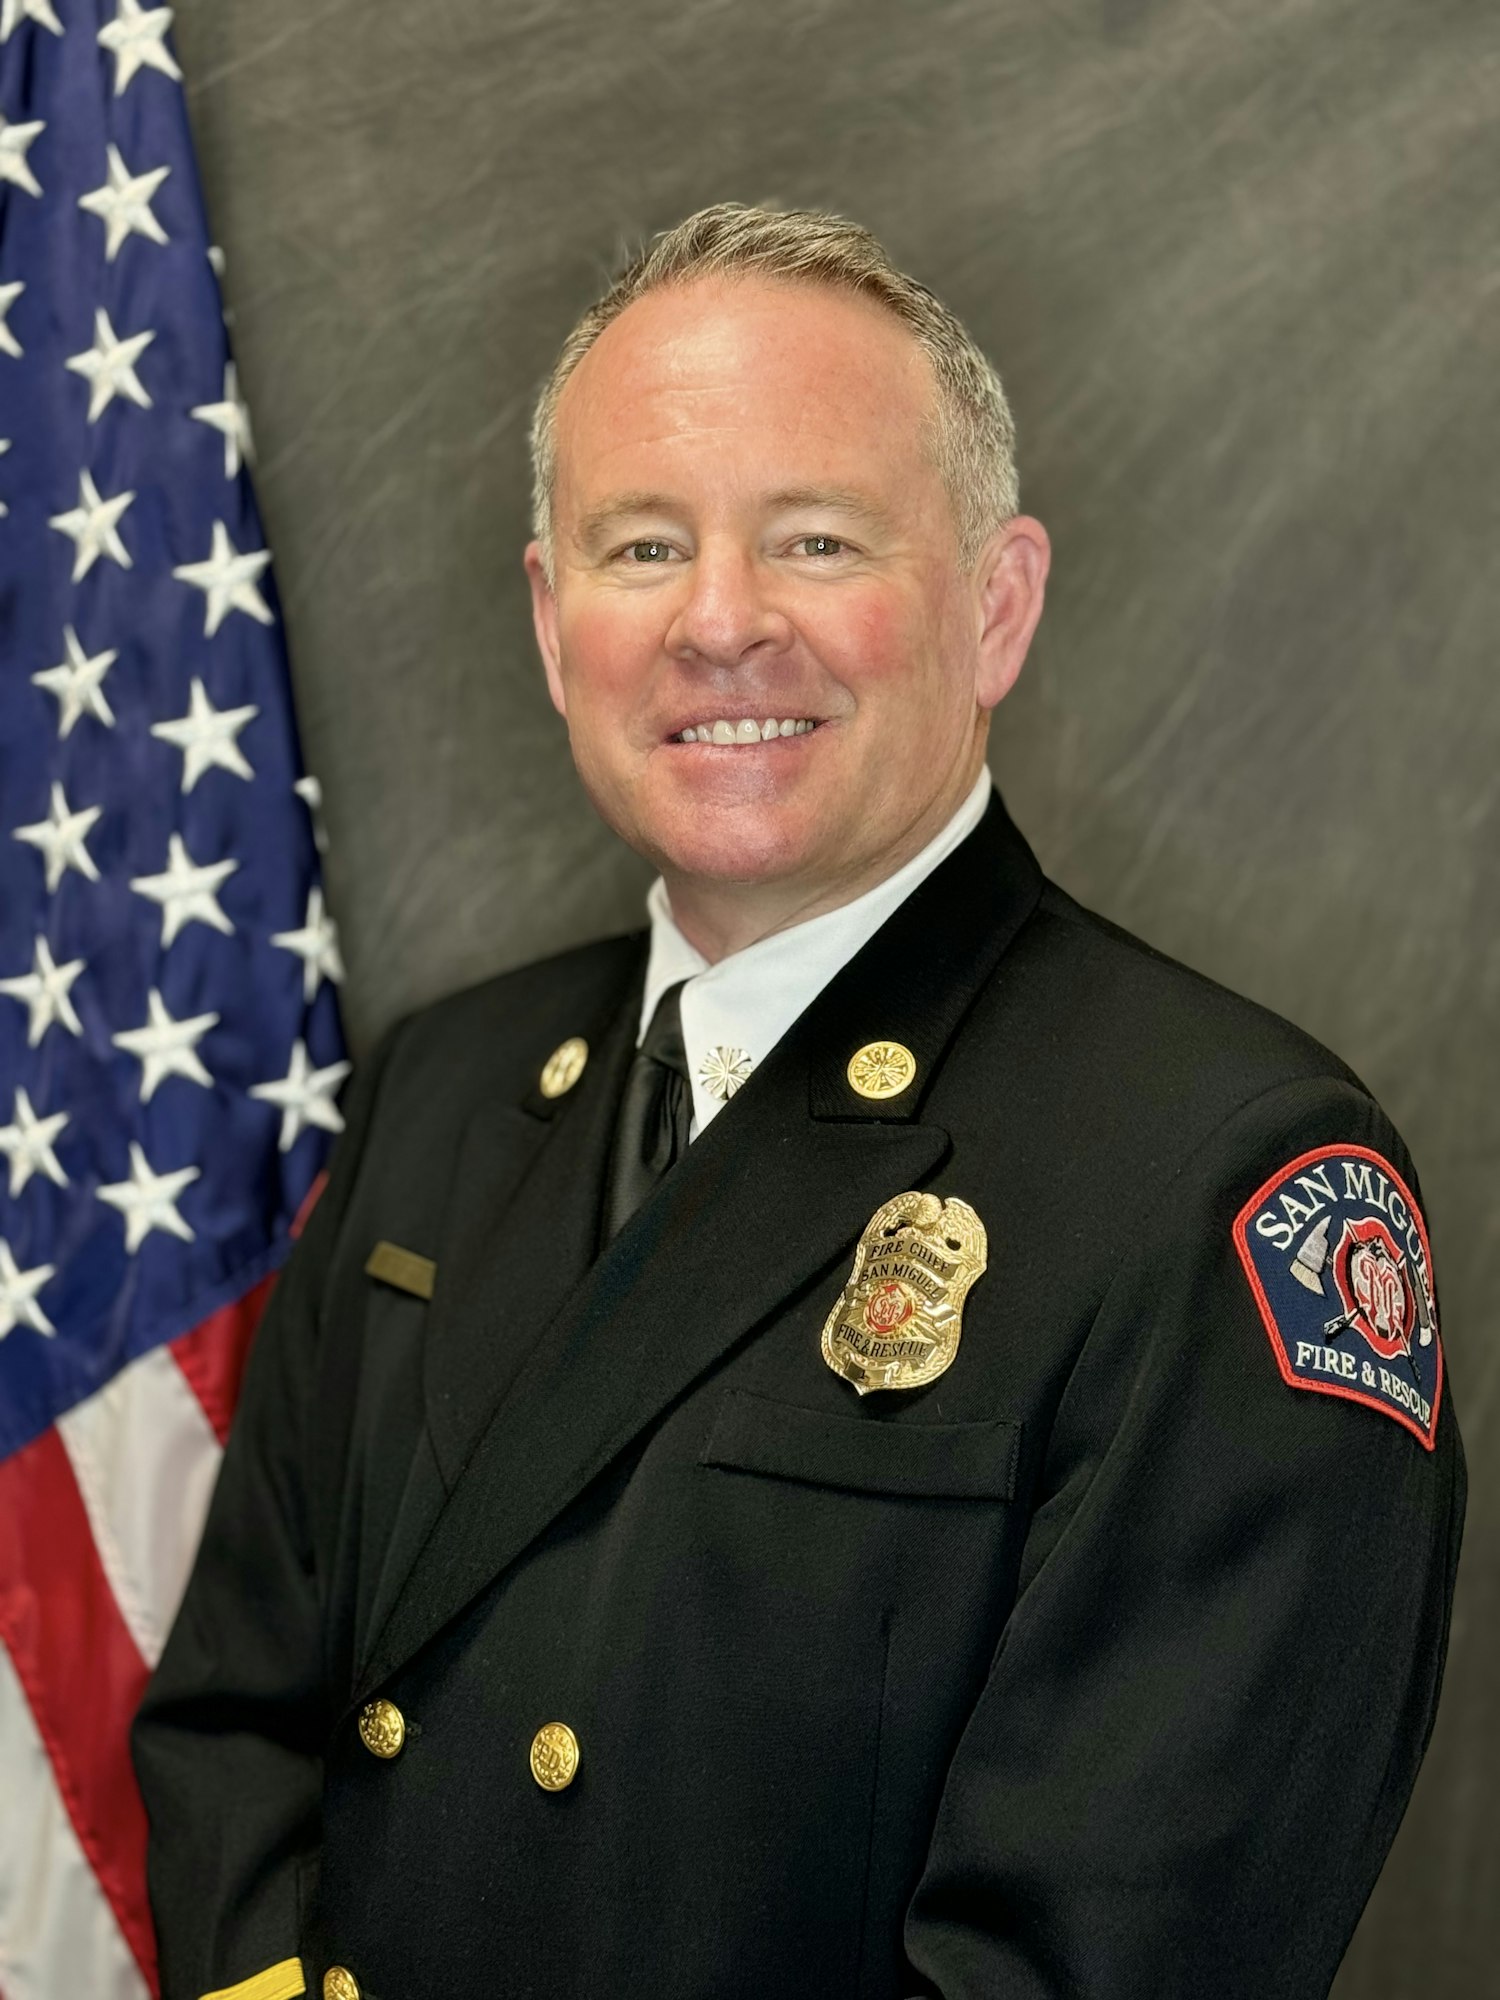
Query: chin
743 846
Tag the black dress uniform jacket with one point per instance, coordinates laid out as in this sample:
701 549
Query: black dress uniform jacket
1101 1666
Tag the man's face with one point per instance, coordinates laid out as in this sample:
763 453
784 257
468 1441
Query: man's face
750 529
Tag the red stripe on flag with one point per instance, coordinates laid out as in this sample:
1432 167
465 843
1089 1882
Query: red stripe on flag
81 1671
214 1353
309 1201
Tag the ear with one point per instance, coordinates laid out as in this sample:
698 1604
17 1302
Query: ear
1011 582
544 621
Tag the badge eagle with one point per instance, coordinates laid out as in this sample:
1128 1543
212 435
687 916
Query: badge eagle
898 1320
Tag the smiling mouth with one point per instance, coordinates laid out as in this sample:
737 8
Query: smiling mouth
726 734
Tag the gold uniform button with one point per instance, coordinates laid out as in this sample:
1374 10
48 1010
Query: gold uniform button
554 1756
339 1983
881 1069
564 1066
382 1728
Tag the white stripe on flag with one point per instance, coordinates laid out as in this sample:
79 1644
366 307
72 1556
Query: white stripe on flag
145 1458
58 1936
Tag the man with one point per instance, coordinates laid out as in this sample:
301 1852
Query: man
882 1439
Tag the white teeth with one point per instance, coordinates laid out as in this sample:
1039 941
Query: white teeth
745 731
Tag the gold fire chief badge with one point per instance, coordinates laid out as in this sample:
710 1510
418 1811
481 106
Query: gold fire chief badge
898 1321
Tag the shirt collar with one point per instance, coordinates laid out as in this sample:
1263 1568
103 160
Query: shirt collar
736 1011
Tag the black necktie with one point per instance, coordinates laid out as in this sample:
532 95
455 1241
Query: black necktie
656 1114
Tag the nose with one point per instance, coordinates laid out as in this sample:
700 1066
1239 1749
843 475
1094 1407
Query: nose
726 615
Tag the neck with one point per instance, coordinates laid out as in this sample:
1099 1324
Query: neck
719 918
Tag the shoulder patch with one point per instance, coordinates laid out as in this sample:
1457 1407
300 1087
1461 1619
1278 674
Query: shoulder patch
1336 1252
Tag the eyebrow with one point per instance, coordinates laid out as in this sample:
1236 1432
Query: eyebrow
837 499
599 521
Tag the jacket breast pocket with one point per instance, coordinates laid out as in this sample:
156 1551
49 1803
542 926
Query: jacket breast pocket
864 1454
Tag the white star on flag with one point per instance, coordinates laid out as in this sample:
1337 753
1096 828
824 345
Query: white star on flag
123 204
167 1047
218 264
149 1201
305 1095
311 794
16 11
4 448
109 367
232 417
76 683
28 1140
8 296
14 141
134 39
18 1290
45 992
228 580
61 836
206 737
186 892
316 944
93 526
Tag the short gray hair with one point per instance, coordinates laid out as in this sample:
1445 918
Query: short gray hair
974 435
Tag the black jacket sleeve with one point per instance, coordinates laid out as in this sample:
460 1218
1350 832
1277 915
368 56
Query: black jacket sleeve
1209 1704
228 1739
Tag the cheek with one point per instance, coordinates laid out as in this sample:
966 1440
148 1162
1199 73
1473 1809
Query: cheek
876 643
607 651
864 641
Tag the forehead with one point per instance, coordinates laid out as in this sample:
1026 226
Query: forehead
766 368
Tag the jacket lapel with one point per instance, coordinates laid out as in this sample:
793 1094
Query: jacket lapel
523 1223
777 1189
526 1174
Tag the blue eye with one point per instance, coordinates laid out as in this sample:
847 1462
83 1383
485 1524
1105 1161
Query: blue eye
649 552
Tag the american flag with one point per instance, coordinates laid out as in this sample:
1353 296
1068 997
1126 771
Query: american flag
170 1046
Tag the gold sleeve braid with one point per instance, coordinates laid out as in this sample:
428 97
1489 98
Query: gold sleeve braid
277 1982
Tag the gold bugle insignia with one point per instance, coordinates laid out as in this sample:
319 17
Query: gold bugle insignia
881 1069
402 1268
564 1066
899 1319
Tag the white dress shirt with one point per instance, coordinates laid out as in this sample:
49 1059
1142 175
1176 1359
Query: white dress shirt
734 1013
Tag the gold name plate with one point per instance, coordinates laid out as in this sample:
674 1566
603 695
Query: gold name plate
402 1268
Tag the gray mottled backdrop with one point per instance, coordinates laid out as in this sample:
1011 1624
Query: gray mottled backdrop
1236 262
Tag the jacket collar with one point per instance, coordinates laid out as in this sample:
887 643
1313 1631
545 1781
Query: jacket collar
745 1003
917 978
